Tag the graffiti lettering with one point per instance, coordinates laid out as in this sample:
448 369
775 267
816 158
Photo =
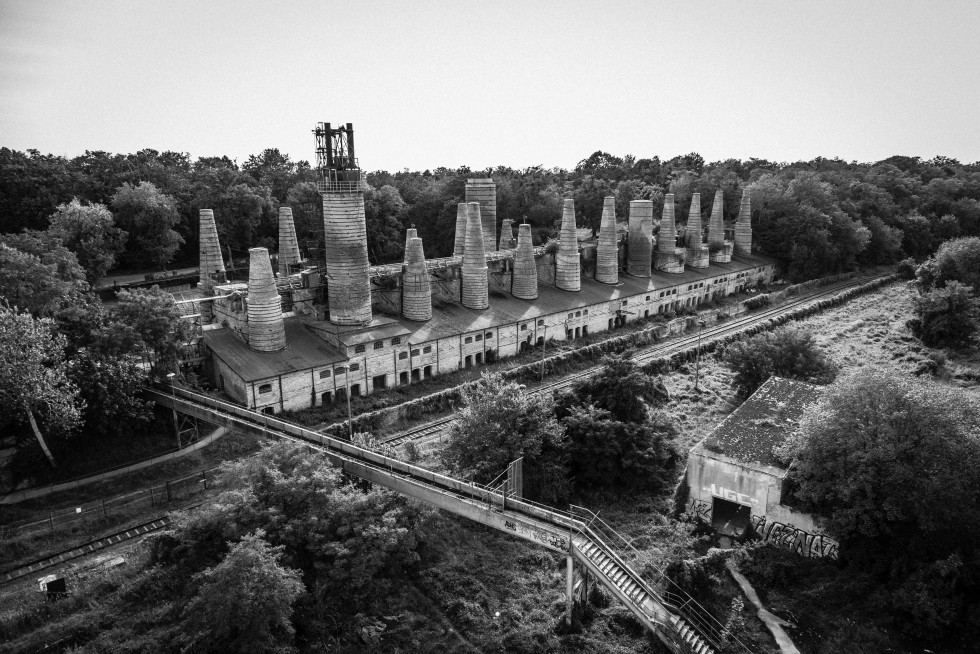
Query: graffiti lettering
797 540
779 534
701 510
732 496
540 535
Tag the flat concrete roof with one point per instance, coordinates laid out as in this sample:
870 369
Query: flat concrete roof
764 421
304 350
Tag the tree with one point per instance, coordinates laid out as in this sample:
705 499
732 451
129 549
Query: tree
48 248
244 604
918 239
275 170
382 209
31 186
151 324
90 232
622 389
605 452
35 380
244 214
307 205
955 260
110 388
892 465
27 283
786 352
499 423
946 316
348 542
617 434
884 245
149 216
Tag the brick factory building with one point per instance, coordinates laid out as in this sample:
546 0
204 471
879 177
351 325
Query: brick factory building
312 334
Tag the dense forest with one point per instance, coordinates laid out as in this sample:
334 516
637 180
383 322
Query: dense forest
816 217
259 568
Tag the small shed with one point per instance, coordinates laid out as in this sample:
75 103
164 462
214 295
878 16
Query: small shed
734 476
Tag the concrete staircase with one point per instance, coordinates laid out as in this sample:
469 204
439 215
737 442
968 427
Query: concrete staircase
664 619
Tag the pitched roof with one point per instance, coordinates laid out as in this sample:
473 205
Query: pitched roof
304 351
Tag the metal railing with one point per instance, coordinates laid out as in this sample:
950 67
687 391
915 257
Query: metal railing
348 187
103 509
668 592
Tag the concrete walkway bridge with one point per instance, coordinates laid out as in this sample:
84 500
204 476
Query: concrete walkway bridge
586 541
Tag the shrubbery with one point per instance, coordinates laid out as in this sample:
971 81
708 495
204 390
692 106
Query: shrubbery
785 352
893 465
607 431
618 435
947 311
946 316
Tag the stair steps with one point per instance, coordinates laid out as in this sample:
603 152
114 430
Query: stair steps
613 575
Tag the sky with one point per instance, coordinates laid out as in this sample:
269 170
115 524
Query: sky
429 84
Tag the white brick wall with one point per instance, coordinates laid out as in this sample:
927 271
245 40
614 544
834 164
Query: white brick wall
301 389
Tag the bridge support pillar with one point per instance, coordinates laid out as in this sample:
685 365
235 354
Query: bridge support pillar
569 587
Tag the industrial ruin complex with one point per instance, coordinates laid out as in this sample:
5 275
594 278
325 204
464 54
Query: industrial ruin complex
308 335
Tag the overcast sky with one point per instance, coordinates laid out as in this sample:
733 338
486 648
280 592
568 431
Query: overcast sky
453 83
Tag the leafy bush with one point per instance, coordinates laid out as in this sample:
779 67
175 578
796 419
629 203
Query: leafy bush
757 302
955 260
244 604
894 466
946 316
616 435
786 352
500 423
906 269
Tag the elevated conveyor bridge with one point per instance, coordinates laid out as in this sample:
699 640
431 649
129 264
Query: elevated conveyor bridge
442 263
679 622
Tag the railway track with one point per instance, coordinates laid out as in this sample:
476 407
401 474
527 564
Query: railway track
673 346
85 549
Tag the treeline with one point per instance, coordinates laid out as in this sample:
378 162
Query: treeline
816 217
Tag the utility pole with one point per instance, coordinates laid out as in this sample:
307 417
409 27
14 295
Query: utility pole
350 419
173 396
544 346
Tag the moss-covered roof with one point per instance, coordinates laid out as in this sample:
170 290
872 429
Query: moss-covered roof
763 422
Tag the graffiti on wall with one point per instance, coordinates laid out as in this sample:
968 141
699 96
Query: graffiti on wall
530 532
779 534
815 546
701 510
